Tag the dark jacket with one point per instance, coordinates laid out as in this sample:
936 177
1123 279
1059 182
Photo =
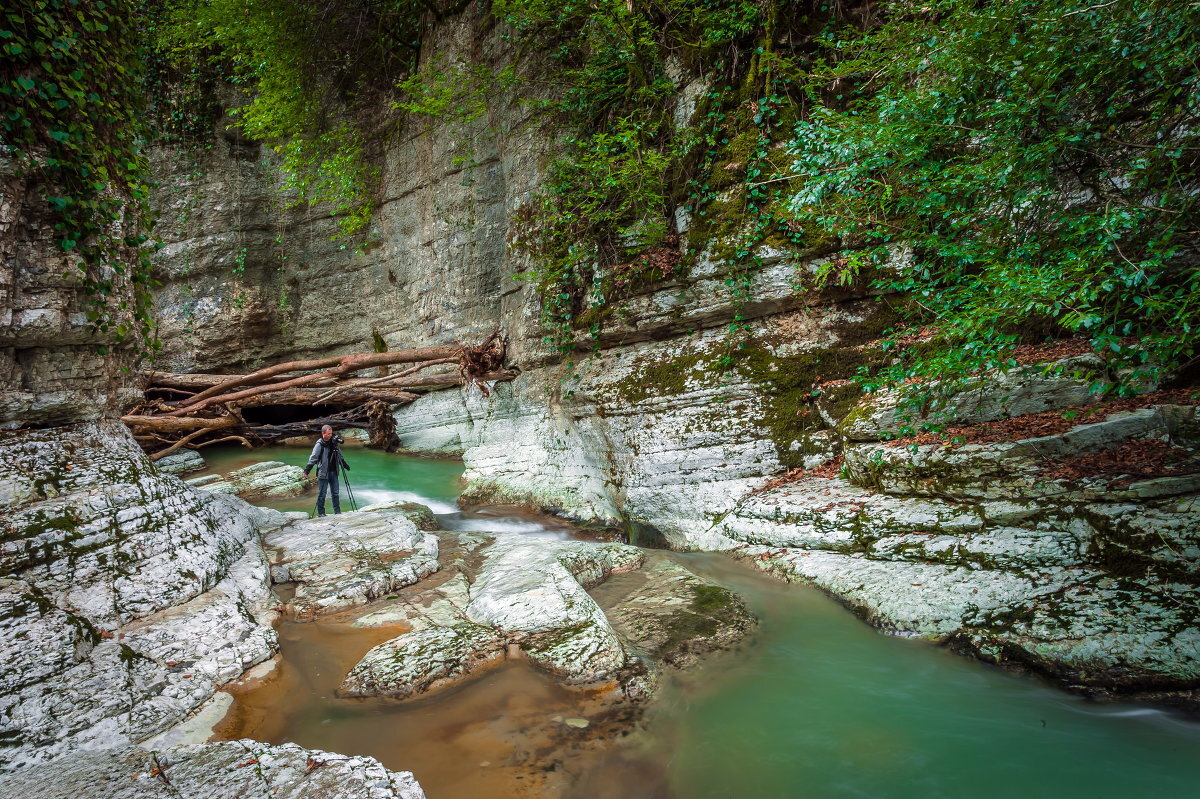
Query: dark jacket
326 457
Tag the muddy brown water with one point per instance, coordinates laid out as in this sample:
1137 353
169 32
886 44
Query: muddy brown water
500 733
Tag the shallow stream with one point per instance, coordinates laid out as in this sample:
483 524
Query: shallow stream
816 704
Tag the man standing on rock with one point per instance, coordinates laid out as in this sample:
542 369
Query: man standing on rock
327 456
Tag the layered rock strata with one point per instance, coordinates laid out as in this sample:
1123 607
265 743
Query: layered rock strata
230 770
1092 581
127 598
268 479
668 425
122 585
341 561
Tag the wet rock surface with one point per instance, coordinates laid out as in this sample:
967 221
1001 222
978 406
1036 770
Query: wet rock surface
1090 580
349 559
418 514
181 462
510 594
265 480
510 591
229 770
669 616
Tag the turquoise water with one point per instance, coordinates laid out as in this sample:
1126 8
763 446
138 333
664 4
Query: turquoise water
819 705
374 476
823 706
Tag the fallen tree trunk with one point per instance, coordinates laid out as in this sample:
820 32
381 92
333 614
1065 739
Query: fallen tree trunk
334 367
349 395
170 424
210 405
188 382
392 383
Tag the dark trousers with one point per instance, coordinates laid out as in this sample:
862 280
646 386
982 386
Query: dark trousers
330 484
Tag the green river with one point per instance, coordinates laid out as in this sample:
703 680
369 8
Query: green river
816 704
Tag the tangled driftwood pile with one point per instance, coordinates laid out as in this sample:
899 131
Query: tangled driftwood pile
197 410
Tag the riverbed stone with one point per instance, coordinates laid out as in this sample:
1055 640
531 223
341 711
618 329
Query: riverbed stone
423 660
669 615
264 480
524 592
227 770
418 514
535 592
349 559
181 462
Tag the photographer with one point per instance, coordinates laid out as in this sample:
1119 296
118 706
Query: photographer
327 456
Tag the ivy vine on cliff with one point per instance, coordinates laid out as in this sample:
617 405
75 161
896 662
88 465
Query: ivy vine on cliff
312 73
1037 160
70 81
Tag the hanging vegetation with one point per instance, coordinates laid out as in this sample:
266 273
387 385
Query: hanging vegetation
69 86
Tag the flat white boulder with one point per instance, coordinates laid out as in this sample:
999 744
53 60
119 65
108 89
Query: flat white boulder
266 479
349 559
181 462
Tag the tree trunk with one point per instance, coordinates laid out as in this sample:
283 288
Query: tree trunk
209 408
321 396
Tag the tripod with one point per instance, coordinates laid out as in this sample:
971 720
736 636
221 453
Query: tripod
349 493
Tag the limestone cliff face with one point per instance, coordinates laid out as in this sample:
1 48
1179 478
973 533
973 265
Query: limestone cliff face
51 370
1091 581
126 597
249 281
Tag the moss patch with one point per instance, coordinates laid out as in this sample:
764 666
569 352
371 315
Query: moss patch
791 386
666 377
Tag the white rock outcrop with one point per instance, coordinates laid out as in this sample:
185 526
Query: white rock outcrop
349 559
529 593
1091 581
123 585
229 770
265 479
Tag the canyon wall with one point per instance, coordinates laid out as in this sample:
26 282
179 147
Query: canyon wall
127 597
1005 546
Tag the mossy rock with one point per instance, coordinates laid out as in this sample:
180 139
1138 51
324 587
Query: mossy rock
418 514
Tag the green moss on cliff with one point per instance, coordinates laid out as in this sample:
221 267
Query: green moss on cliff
792 385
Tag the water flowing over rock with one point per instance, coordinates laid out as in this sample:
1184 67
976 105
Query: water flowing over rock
675 428
1089 581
